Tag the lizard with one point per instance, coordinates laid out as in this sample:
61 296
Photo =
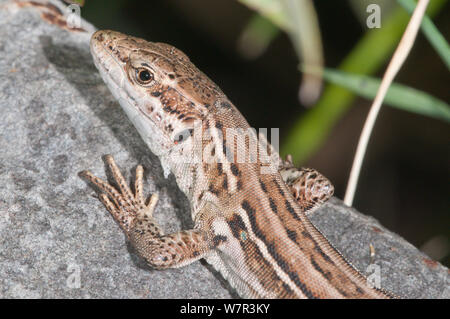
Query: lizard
250 222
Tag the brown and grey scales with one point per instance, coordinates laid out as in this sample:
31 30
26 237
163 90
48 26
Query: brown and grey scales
251 226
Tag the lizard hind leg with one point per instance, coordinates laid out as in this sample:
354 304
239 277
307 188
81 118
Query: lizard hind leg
308 186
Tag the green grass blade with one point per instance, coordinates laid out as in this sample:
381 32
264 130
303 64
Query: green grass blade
399 96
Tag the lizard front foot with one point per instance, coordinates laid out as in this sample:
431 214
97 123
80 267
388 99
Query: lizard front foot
123 205
135 218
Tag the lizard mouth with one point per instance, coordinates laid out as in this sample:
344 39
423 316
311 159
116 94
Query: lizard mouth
105 53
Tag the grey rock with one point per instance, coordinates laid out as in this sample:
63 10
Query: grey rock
56 239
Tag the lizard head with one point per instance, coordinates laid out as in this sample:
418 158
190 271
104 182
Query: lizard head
161 91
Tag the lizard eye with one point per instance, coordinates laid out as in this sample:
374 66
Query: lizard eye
144 76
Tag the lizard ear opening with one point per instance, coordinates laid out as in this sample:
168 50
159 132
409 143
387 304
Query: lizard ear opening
182 136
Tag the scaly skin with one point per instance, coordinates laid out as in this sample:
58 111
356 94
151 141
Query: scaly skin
250 219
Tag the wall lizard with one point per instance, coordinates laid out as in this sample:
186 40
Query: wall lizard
250 220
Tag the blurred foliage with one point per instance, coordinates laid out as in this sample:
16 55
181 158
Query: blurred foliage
299 19
367 57
272 10
257 36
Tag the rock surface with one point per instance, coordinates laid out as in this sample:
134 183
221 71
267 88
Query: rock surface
56 238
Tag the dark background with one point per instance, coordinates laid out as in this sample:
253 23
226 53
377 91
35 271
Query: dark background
405 178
